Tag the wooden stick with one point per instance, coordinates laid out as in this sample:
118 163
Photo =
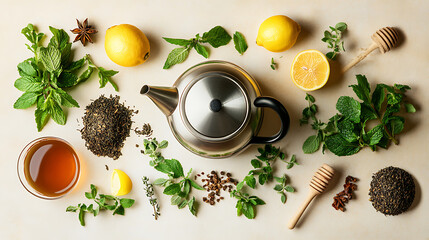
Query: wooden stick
313 193
359 58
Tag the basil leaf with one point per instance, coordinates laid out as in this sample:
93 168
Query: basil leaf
51 58
177 55
26 100
240 43
177 41
216 37
202 50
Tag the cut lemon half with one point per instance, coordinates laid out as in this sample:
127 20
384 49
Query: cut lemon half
120 183
310 70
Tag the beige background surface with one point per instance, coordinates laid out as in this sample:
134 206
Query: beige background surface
26 217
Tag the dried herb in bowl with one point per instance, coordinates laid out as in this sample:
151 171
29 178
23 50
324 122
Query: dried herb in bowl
107 123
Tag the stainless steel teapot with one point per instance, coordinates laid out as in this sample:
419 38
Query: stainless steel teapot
215 109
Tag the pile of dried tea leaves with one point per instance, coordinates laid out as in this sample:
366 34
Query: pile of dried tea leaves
392 191
106 125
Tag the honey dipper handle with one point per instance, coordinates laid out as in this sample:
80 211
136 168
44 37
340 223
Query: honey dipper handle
301 210
359 58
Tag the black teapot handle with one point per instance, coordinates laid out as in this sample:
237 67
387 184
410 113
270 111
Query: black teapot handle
284 118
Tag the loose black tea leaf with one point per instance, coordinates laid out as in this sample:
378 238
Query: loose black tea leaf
392 191
106 125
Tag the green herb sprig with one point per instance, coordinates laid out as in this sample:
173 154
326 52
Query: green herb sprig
333 38
282 186
104 202
273 64
246 204
346 133
216 37
44 77
177 185
148 187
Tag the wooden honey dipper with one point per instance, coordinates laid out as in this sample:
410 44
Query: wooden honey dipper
317 185
384 39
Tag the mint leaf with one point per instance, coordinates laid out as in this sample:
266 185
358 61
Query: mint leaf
85 75
350 108
56 112
177 55
172 189
177 41
216 37
75 65
27 69
67 79
311 144
105 77
201 50
41 117
240 43
375 134
347 131
367 113
51 58
60 39
362 89
66 99
409 108
29 84
396 124
26 100
341 147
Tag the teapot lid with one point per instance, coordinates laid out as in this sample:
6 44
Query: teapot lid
215 106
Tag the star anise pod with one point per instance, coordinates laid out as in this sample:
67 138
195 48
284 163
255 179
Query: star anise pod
83 32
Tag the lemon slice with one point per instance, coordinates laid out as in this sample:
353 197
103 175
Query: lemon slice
310 70
120 183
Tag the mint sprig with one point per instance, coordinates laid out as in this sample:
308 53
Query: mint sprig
216 37
177 185
333 38
44 77
347 132
103 202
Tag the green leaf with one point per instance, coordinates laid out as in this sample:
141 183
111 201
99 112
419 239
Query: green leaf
163 144
216 37
347 130
29 84
257 200
26 100
239 207
176 41
349 108
160 181
56 112
67 79
71 209
262 179
105 77
331 55
341 147
375 134
75 65
341 26
378 96
60 39
163 167
311 144
172 189
175 167
289 189
310 98
26 69
283 197
248 210
402 88
367 113
192 208
240 43
41 117
256 163
327 35
240 186
66 99
362 89
126 202
119 210
409 108
82 217
195 185
279 179
177 55
202 50
51 58
89 195
182 204
278 187
250 181
396 124
186 187
85 75
176 200
394 98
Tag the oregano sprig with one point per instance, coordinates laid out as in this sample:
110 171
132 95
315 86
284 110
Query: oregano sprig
333 38
281 187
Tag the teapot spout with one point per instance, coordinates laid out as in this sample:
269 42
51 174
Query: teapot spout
165 98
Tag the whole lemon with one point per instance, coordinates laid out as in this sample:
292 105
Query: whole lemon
278 33
126 45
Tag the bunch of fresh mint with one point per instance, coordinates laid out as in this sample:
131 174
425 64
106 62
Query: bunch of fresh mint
104 202
216 37
45 76
346 133
177 184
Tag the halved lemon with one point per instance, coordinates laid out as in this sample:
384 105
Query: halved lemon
310 70
120 183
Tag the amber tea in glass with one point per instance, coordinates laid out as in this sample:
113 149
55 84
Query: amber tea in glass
48 167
